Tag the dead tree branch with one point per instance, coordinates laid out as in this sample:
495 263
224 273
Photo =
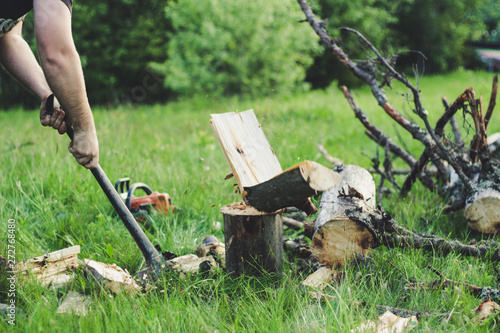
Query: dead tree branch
493 99
389 233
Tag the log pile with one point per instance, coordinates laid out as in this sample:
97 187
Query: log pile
469 176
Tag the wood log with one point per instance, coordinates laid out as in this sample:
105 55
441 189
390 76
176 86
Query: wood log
52 269
249 154
254 240
291 187
246 148
337 237
482 209
111 277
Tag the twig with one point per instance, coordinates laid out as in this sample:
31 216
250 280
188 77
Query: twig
379 136
493 98
439 131
366 76
454 126
478 292
297 225
332 160
479 146
420 111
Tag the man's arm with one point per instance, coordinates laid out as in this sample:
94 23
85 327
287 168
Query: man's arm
62 68
17 58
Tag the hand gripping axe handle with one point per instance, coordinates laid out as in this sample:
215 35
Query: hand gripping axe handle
154 260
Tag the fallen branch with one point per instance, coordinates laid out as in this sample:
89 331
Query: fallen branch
482 293
389 233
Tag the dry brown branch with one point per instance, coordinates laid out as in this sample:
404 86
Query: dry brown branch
421 112
366 76
427 154
492 103
453 122
382 139
479 146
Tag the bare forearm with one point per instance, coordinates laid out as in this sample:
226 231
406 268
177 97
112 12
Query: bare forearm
64 74
17 58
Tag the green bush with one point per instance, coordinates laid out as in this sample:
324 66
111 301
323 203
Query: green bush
225 47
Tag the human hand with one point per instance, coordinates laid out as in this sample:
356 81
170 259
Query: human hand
85 148
55 119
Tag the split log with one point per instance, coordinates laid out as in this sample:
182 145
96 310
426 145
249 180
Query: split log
249 154
291 187
254 240
111 277
52 269
336 236
482 209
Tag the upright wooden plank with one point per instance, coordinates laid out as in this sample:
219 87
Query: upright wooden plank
246 148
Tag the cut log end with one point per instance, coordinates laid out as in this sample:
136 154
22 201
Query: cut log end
340 240
483 214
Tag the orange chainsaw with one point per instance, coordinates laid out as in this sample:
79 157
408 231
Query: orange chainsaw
143 206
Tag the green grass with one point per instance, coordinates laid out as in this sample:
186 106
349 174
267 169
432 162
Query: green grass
171 147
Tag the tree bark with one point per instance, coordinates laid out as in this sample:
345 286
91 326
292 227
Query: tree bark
336 236
292 187
254 240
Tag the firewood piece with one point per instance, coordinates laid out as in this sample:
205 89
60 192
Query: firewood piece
190 263
292 187
254 240
51 269
211 245
482 209
486 309
322 278
75 303
337 237
388 322
111 277
246 148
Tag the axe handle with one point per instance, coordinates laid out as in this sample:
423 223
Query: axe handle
154 260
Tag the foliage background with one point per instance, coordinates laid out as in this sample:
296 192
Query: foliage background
257 48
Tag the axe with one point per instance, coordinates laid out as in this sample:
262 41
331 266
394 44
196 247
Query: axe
154 260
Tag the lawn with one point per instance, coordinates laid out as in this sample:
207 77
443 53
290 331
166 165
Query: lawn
56 204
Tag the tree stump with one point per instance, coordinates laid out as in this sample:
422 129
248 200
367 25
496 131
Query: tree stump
337 237
254 240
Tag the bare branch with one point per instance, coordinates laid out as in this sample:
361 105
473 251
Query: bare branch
493 99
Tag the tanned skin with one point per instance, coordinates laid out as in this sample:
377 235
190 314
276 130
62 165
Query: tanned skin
60 73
